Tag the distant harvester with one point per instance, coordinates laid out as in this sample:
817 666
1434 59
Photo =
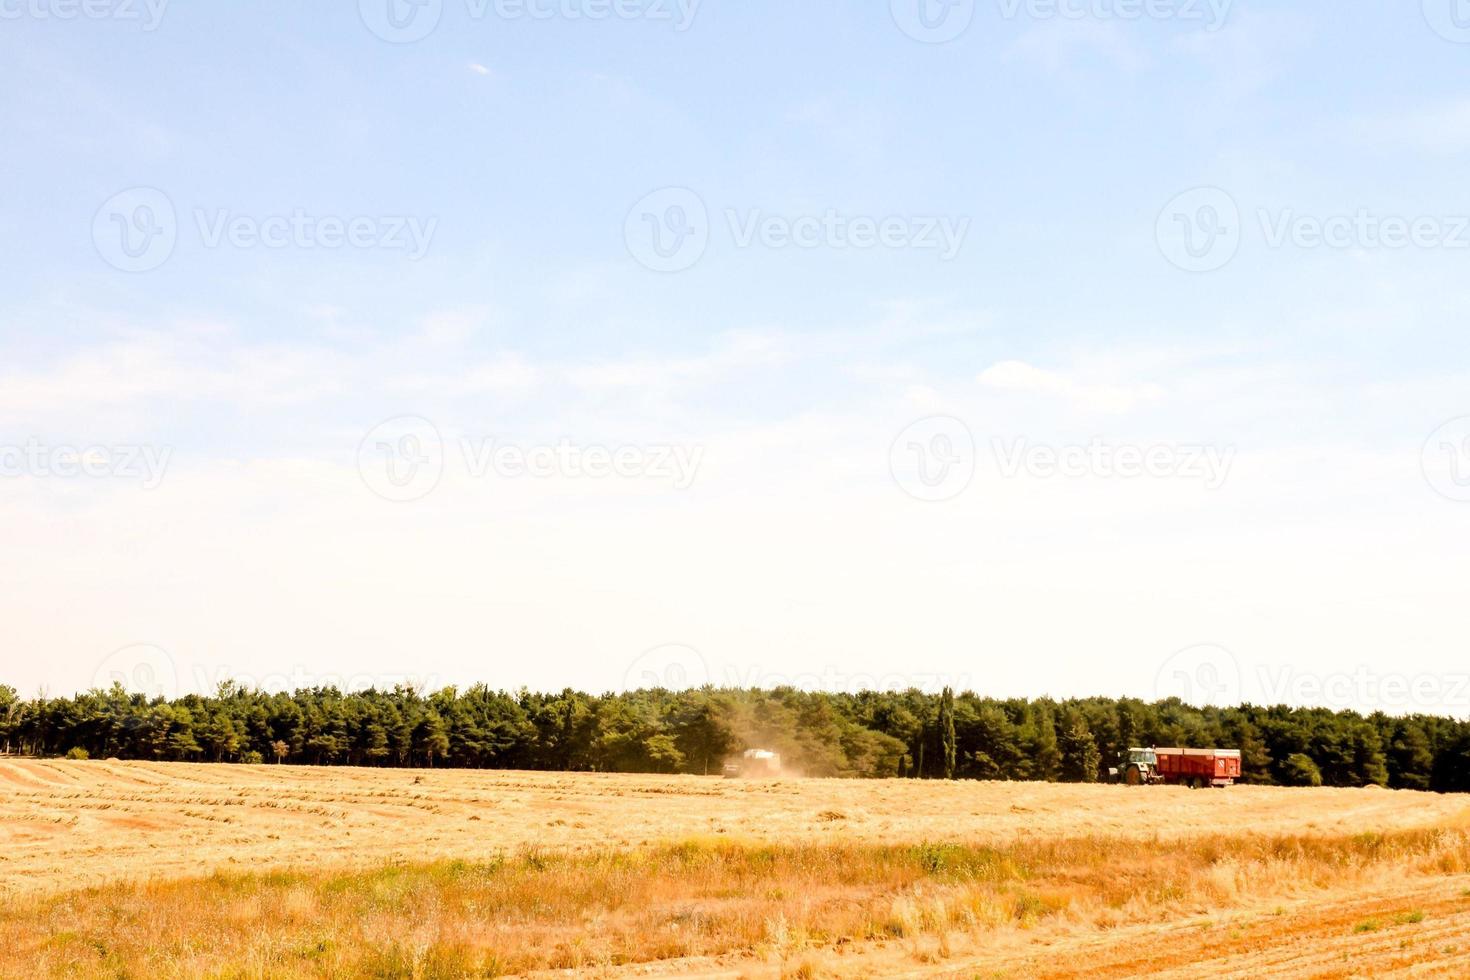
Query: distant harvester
754 762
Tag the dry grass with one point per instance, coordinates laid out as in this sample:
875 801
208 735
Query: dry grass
155 870
703 898
68 824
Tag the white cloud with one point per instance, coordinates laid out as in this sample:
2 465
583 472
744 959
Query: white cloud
166 368
1440 128
507 374
794 513
739 351
1058 46
450 327
550 581
1019 376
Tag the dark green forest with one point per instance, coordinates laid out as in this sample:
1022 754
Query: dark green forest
906 734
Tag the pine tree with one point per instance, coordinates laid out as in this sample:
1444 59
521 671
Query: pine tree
946 731
1046 759
1080 755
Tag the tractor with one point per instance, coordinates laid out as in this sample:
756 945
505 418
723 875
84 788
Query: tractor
1137 767
1196 768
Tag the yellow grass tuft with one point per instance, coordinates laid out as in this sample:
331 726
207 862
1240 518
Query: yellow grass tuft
537 909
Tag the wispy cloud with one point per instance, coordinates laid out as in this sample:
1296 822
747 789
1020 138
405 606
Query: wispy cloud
1061 46
1088 395
1442 127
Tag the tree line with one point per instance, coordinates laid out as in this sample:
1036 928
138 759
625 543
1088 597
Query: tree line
906 734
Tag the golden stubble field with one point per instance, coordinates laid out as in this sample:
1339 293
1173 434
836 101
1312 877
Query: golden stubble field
169 869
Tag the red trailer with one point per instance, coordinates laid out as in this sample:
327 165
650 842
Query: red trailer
1198 767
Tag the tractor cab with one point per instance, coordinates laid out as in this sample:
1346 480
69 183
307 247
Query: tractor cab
1137 766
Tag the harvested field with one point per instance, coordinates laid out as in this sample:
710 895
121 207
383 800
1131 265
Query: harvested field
124 868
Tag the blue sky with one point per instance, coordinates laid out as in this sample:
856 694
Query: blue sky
521 148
